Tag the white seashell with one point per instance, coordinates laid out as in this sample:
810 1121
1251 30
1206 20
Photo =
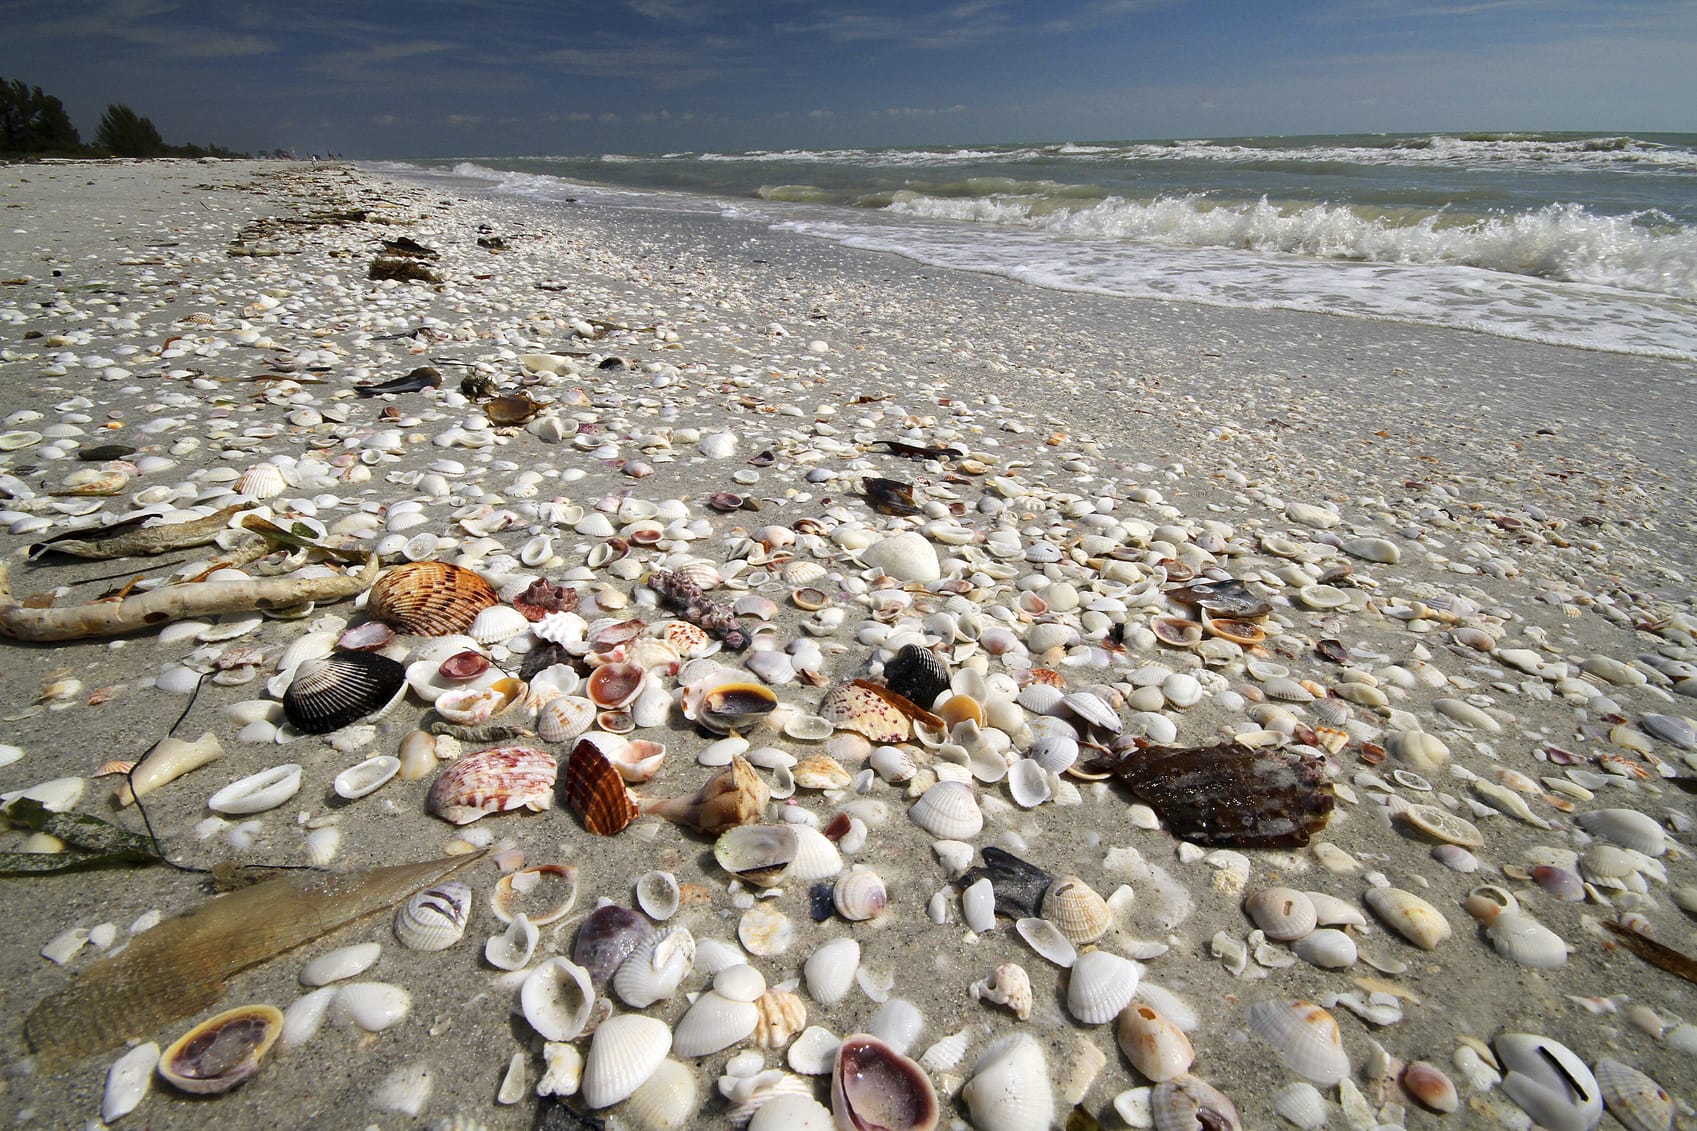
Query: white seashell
897 1023
512 949
405 1091
372 1006
945 1054
1328 948
1100 985
258 792
763 930
435 918
713 1023
1520 938
739 982
342 963
860 894
668 1100
305 1015
1093 709
1549 1082
792 1113
626 1050
830 969
565 718
907 557
1627 828
1009 985
978 906
1305 1036
1637 1101
128 1081
657 894
813 1052
366 777
948 811
815 859
321 845
558 999
1301 1105
1028 782
1047 940
1009 1089
655 968
563 1070
1282 913
497 624
1409 916
1154 1044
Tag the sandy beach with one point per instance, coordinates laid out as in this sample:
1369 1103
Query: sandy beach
1497 535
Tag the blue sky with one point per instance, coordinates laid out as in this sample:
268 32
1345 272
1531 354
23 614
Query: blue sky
398 78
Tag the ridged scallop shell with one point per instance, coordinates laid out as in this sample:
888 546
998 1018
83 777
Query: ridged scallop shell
1305 1036
626 1050
494 781
430 598
497 624
222 1051
1637 1101
872 1085
1076 910
860 894
1100 985
595 790
435 918
948 811
1010 1089
1155 1045
329 692
782 1015
261 481
564 718
856 707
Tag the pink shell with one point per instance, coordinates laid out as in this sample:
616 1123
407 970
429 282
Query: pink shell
614 685
494 781
464 665
367 637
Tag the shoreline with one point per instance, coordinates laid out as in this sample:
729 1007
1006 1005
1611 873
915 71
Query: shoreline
1482 460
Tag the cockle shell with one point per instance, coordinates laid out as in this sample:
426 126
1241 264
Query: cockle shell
564 717
435 918
1076 910
329 692
1100 985
830 970
609 936
494 781
1637 1101
1282 913
222 1051
430 598
860 894
948 811
497 624
713 1023
1009 1089
1305 1036
1155 1045
873 1086
667 1101
625 1051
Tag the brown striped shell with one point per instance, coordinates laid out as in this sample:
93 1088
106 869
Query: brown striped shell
430 598
494 781
596 792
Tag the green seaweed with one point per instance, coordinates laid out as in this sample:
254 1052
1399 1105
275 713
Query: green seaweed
89 842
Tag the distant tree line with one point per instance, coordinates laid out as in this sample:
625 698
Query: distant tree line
33 123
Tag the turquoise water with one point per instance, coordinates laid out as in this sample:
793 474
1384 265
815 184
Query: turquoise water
1584 240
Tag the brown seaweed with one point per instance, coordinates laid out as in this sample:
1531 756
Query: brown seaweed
182 966
916 451
129 537
1656 954
1226 794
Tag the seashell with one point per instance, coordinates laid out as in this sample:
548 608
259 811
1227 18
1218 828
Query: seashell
1009 985
329 692
1305 1036
1028 783
948 811
667 1100
1046 939
732 707
907 557
1282 913
1009 1089
1094 710
1443 826
757 854
127 1082
625 1051
857 706
830 970
429 598
366 777
463 665
596 791
764 930
1100 985
820 771
1409 916
475 705
558 999
1328 948
734 796
564 717
165 762
614 685
261 481
1186 1103
713 1023
657 894
223 1051
916 674
513 948
1626 827
860 894
1430 1086
564 627
1637 1101
493 781
1549 1082
1155 1046
1301 1105
340 964
435 918
873 1086
1520 938
497 624
1076 910
549 889
258 792
609 936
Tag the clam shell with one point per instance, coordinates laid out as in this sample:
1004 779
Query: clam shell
1186 1103
1520 938
1637 1101
435 918
329 692
860 894
564 717
128 1080
917 675
493 781
1028 782
657 894
1009 1089
1301 1105
558 999
1155 1045
1282 913
1077 911
1046 939
1100 985
614 685
497 624
513 948
340 964
366 777
626 1050
655 968
667 1100
430 598
1328 948
872 1085
222 1051
713 1023
948 811
258 792
1305 1036
1626 827
829 971
735 706
1409 916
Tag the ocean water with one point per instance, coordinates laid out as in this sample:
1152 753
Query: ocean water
1582 240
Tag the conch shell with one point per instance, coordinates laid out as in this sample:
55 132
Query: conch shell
734 796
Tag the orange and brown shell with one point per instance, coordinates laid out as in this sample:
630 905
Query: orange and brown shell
595 790
494 781
430 598
858 706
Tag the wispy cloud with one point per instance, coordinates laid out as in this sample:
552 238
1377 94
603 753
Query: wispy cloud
956 25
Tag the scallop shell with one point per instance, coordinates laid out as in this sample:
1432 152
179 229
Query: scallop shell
1100 985
1009 1089
857 707
1155 1045
872 1085
1637 1101
948 811
860 894
782 1015
494 781
1305 1036
222 1051
430 598
435 918
1077 911
497 624
329 692
626 1050
596 791
261 481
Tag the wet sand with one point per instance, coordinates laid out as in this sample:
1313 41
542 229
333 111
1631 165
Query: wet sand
1550 487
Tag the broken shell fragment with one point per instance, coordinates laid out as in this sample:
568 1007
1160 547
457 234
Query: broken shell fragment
223 1051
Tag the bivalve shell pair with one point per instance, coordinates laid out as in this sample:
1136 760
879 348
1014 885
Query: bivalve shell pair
430 598
873 1086
494 781
223 1051
329 692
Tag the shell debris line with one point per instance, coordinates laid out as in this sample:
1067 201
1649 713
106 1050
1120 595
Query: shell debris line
854 734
